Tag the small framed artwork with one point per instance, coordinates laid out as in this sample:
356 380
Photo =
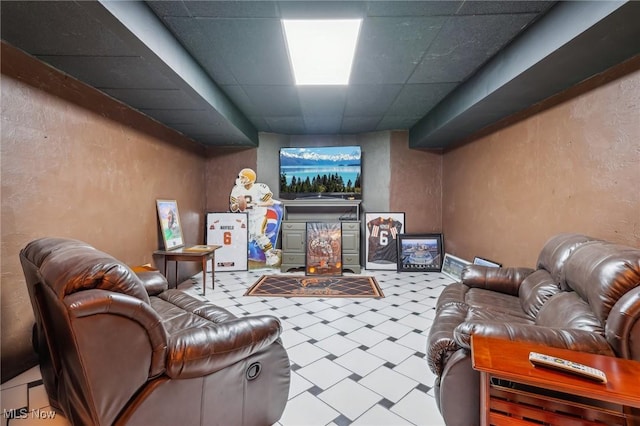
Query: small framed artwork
420 253
452 266
381 239
324 248
170 224
231 232
486 262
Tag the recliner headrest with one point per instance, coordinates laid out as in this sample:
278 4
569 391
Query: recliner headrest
68 266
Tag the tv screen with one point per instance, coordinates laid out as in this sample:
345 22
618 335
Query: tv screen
331 171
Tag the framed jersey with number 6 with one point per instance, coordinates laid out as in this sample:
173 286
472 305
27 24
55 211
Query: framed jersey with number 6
231 232
381 239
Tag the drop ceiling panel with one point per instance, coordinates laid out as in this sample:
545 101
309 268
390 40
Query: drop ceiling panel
322 10
413 8
252 50
287 125
414 100
464 44
370 99
322 100
379 58
396 122
353 125
502 7
273 100
232 9
322 124
58 28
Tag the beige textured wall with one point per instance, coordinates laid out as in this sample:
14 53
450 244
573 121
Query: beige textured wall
77 164
416 185
572 167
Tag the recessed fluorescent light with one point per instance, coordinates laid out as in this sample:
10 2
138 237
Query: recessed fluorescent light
321 51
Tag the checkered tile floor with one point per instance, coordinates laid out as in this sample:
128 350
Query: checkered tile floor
353 361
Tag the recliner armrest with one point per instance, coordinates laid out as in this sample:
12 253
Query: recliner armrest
564 338
503 280
205 350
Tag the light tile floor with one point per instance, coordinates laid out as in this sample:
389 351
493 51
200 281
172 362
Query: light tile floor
354 361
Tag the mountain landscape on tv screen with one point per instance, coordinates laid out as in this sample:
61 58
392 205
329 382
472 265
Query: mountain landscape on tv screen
306 157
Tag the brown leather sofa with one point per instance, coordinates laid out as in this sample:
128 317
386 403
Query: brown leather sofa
120 348
584 295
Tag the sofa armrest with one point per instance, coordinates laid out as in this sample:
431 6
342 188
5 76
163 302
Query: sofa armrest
564 338
154 282
503 280
204 350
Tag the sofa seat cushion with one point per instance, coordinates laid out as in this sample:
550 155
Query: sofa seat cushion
480 299
487 304
180 311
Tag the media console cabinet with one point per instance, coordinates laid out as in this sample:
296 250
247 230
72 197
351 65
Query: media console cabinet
296 214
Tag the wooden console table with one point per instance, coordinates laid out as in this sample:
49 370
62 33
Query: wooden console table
185 254
514 392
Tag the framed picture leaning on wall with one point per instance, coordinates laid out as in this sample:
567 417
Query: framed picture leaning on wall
486 262
381 239
452 266
170 227
420 252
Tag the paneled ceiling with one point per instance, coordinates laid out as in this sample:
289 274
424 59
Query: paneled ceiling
218 71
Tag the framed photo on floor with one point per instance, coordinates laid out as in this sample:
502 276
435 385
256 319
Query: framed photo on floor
324 248
486 262
170 227
452 266
381 239
420 252
231 232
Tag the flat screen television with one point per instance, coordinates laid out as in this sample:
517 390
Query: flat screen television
329 171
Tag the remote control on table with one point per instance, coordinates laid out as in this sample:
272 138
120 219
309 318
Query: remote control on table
543 360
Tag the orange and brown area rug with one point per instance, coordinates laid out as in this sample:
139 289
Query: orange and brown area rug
316 286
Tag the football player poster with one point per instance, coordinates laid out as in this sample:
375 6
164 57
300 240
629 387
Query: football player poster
230 231
265 217
381 239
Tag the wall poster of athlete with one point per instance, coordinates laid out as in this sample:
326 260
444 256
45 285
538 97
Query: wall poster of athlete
381 238
420 253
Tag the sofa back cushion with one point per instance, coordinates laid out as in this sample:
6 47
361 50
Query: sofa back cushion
535 290
601 273
568 310
556 251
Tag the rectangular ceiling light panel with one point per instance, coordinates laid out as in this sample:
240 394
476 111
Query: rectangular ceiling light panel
321 51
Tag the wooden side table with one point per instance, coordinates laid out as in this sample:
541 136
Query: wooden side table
187 254
513 391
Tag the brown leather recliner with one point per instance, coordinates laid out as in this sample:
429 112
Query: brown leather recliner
584 295
118 348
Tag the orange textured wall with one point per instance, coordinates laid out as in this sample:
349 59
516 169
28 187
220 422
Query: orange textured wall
416 185
77 164
223 166
574 166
